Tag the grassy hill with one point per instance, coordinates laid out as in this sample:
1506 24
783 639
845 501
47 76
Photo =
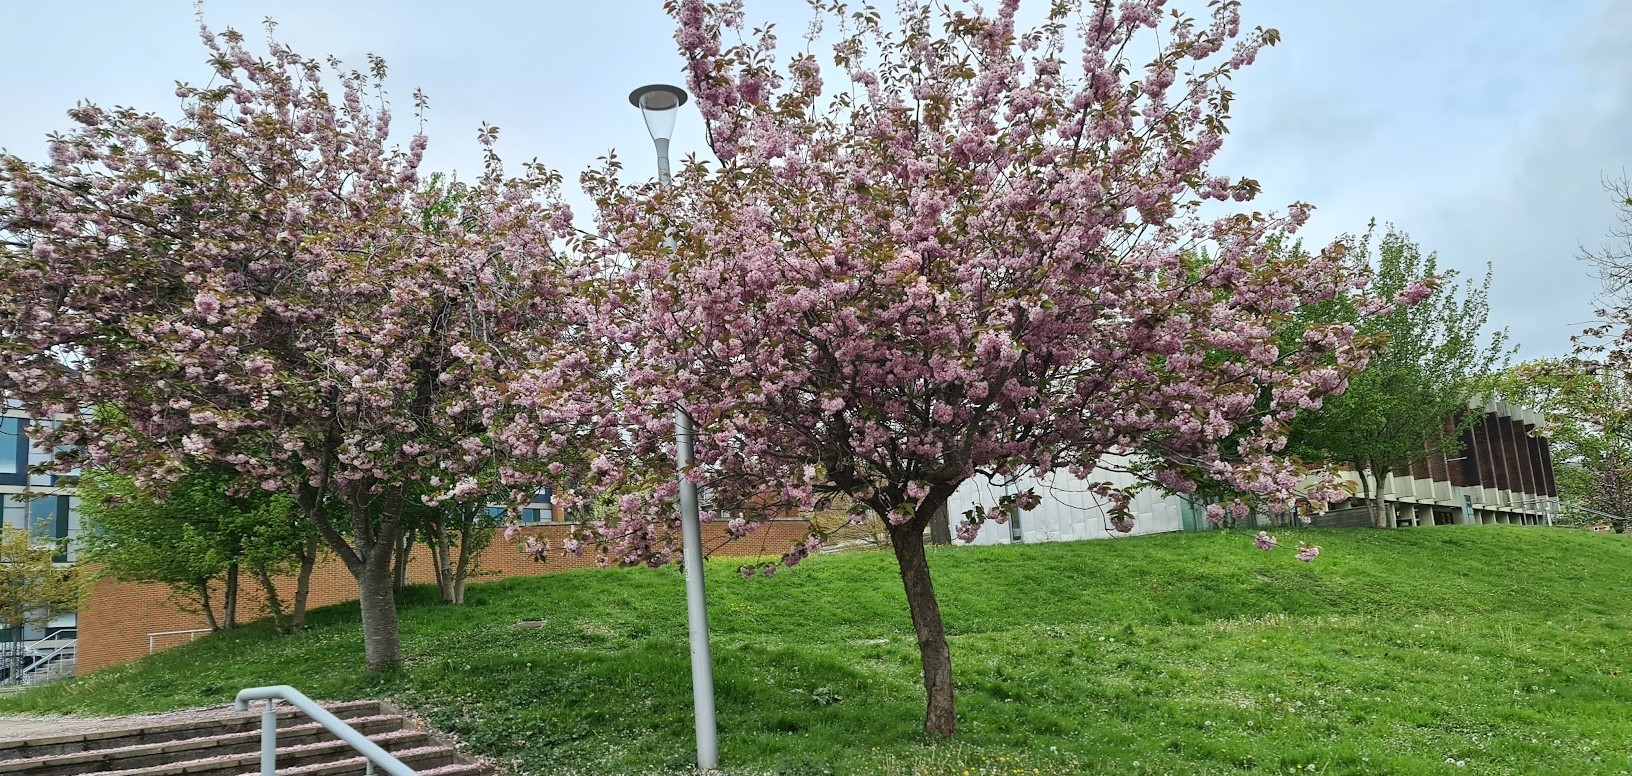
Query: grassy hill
1488 650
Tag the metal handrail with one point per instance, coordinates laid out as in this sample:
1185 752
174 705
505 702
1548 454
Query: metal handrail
190 634
52 636
1591 511
45 660
371 752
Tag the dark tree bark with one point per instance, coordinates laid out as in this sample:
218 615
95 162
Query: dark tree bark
381 646
439 543
371 557
405 551
907 539
940 526
204 605
229 603
461 572
274 604
303 585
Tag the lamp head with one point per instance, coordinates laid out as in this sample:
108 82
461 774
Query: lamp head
658 104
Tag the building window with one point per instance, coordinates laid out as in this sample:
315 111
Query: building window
43 517
13 512
13 451
542 508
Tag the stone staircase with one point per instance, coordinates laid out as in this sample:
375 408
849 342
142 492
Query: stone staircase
228 743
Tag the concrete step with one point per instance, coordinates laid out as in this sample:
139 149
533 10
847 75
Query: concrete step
160 729
160 753
428 761
227 743
292 758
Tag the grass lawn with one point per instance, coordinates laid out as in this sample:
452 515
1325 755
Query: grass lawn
1467 650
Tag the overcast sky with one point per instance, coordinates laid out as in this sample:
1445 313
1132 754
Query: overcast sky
1481 128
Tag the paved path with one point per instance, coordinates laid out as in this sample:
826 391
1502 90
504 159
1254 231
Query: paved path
21 726
29 727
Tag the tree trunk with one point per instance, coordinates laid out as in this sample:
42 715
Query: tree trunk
378 597
440 551
1373 502
399 574
229 603
940 526
940 717
274 605
16 651
203 588
461 572
303 585
1379 509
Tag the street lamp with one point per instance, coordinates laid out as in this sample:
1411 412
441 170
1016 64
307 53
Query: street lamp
659 104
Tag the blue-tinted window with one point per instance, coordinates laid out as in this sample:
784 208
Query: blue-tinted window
42 517
13 512
13 452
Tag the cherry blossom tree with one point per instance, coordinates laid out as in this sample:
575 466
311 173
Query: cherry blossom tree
953 248
269 284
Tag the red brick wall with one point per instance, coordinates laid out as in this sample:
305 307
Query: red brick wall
116 618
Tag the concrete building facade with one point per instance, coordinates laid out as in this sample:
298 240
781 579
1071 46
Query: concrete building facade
1500 472
1069 511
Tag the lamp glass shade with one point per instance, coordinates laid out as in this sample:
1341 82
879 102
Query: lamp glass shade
659 104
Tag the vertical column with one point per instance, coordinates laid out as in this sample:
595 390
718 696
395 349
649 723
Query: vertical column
1548 481
1521 448
1485 472
1510 460
1464 473
1538 477
1498 458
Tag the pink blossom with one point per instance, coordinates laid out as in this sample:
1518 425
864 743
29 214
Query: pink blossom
1307 552
1264 541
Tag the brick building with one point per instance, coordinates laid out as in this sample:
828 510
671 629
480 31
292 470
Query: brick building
123 621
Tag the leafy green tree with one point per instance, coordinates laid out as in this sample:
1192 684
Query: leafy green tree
1588 427
1434 360
33 588
199 537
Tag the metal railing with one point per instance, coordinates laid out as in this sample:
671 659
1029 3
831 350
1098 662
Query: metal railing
59 663
56 635
1602 515
192 635
371 752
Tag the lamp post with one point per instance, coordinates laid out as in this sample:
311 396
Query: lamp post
659 104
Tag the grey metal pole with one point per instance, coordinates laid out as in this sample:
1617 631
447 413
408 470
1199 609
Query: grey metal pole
269 739
662 144
691 536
